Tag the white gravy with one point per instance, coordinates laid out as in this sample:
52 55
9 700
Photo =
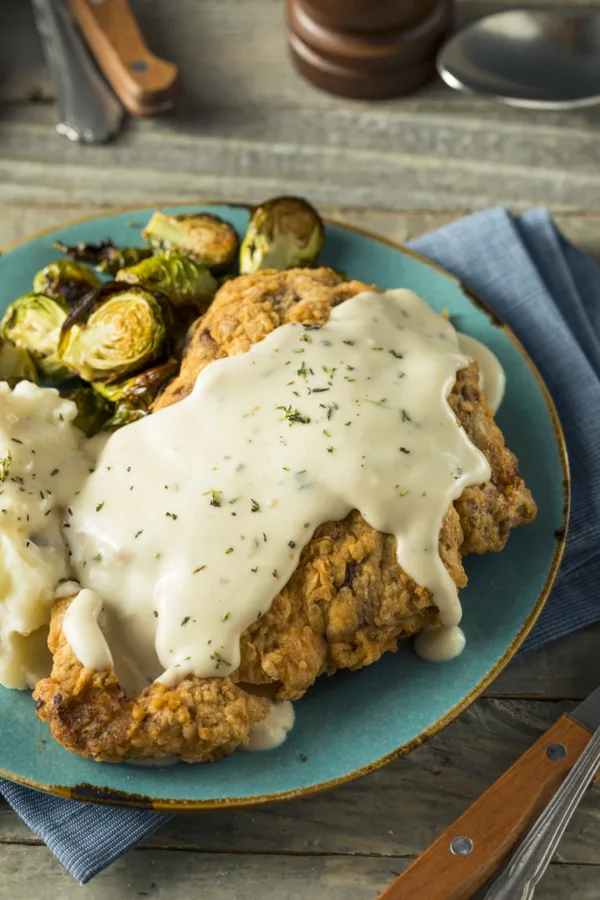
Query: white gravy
435 644
196 516
83 631
273 730
492 379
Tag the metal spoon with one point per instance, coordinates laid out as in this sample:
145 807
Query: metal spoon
87 108
536 59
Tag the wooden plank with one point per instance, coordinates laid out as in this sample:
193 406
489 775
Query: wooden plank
370 159
568 668
34 872
396 811
248 129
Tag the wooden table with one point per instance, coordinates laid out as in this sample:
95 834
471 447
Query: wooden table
249 128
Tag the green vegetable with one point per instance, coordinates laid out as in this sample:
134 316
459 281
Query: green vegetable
105 256
186 283
92 410
140 390
65 279
205 238
16 364
135 395
113 332
283 233
33 322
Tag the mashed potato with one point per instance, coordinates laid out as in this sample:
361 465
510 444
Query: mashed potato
42 464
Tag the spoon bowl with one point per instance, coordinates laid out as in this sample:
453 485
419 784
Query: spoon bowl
534 59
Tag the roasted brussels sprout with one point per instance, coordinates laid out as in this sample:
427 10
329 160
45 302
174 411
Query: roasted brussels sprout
93 410
16 364
187 284
140 390
283 233
204 238
105 256
33 322
113 332
65 279
135 395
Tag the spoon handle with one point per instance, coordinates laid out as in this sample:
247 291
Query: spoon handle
88 110
530 861
471 851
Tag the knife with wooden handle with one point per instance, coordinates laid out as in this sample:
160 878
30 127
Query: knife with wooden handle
145 84
472 850
88 111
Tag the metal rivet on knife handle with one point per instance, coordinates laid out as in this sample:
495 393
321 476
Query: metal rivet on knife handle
461 846
556 752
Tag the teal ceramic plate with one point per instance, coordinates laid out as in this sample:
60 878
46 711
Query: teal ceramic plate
354 722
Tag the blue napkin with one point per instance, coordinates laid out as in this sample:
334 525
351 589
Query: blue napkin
549 294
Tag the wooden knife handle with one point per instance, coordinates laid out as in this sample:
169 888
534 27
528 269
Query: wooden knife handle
145 84
495 823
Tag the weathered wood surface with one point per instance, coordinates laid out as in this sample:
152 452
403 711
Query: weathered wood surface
249 127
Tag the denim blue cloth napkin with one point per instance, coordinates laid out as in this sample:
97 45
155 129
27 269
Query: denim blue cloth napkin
549 294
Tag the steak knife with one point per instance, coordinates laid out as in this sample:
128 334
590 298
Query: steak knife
550 778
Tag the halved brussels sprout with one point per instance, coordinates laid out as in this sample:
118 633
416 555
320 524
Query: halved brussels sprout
65 279
205 238
16 364
283 233
105 256
93 411
33 322
141 389
135 395
185 282
113 332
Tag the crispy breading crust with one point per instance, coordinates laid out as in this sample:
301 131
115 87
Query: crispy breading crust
347 603
90 714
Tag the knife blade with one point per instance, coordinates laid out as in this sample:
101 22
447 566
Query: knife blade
88 111
472 850
587 713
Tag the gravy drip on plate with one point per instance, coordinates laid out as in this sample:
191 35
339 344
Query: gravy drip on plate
196 516
492 380
272 731
438 644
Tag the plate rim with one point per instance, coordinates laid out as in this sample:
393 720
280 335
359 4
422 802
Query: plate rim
88 793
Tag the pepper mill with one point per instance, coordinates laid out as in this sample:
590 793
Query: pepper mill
367 49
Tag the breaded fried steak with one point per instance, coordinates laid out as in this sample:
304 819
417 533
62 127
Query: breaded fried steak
347 602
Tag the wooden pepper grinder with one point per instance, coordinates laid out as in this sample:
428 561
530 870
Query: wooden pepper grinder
367 49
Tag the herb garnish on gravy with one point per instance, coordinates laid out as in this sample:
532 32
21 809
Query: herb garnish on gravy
262 453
